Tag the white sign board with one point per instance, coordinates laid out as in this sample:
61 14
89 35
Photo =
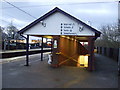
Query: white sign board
59 24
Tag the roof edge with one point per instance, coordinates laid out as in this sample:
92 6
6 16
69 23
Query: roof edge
56 9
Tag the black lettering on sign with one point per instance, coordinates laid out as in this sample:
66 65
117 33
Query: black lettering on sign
70 33
67 28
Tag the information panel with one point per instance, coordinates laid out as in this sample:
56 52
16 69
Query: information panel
67 29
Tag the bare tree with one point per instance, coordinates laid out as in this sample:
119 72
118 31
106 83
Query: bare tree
110 36
4 38
11 31
8 34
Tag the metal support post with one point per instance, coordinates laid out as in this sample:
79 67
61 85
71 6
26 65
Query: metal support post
42 50
27 51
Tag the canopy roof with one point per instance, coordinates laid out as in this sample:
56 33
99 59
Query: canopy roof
56 9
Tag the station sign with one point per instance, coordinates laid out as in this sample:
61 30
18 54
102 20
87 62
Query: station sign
67 29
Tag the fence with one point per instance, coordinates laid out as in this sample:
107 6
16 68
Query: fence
113 53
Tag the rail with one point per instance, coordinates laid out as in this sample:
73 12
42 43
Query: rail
14 53
69 58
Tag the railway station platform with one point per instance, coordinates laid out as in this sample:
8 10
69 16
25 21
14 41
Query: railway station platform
40 75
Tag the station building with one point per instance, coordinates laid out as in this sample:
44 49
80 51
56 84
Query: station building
72 39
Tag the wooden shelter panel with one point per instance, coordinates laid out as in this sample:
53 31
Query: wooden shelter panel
72 49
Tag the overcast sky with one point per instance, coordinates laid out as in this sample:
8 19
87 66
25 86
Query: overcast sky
98 12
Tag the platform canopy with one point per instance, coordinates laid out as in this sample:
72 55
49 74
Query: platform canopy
58 22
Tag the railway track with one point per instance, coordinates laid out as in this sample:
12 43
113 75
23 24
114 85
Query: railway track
9 54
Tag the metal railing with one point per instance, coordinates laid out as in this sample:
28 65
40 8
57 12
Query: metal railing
68 58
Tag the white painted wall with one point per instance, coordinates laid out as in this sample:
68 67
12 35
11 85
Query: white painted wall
53 26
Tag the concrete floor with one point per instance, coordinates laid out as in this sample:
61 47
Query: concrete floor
40 75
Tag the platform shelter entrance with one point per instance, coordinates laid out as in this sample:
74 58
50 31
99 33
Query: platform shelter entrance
72 39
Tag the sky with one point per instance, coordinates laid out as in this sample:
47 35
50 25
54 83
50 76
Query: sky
93 12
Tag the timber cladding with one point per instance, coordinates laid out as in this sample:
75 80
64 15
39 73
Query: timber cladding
68 51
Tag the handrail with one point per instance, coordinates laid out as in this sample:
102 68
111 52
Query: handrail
63 61
69 58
